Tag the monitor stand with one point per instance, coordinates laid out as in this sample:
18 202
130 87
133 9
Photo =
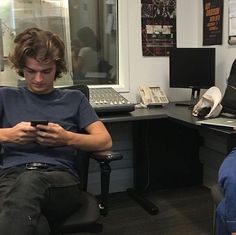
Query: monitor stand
194 99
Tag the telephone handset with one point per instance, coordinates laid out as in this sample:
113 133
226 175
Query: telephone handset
152 95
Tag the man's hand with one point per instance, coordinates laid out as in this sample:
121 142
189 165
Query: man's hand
51 135
21 133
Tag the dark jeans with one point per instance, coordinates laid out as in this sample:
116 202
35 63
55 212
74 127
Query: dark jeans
32 201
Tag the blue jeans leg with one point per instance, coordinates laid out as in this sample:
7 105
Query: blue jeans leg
221 225
226 211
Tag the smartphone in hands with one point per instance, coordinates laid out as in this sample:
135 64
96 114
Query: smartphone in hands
37 122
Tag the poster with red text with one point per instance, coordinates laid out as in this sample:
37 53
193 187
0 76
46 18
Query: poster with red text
158 27
212 22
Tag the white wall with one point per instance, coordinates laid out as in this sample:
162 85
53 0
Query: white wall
225 54
155 70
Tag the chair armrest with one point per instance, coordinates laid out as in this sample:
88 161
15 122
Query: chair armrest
106 156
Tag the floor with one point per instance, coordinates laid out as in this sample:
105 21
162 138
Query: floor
182 211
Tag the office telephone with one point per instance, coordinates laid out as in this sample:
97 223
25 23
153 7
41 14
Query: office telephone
152 95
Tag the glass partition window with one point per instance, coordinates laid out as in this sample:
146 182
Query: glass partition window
88 28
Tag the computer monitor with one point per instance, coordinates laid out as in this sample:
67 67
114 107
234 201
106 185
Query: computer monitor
192 68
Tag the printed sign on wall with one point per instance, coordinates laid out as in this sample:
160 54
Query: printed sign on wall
212 22
158 27
232 22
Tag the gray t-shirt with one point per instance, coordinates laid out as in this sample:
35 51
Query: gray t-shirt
90 59
68 108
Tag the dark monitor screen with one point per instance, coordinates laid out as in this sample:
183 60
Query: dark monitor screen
192 68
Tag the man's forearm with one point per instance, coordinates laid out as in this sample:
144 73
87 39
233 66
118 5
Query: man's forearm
4 135
88 142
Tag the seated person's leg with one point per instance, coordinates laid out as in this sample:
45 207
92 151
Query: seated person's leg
226 211
21 204
62 200
42 227
24 201
221 224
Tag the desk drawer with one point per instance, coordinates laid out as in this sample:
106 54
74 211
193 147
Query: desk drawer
211 157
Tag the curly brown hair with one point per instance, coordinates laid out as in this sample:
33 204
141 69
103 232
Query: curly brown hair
40 45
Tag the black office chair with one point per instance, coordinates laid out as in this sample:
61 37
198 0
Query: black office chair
86 218
217 195
229 97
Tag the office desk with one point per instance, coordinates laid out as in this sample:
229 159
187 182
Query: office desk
178 113
136 115
170 150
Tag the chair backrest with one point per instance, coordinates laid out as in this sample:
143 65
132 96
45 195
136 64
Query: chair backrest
232 75
82 161
229 99
83 88
82 166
